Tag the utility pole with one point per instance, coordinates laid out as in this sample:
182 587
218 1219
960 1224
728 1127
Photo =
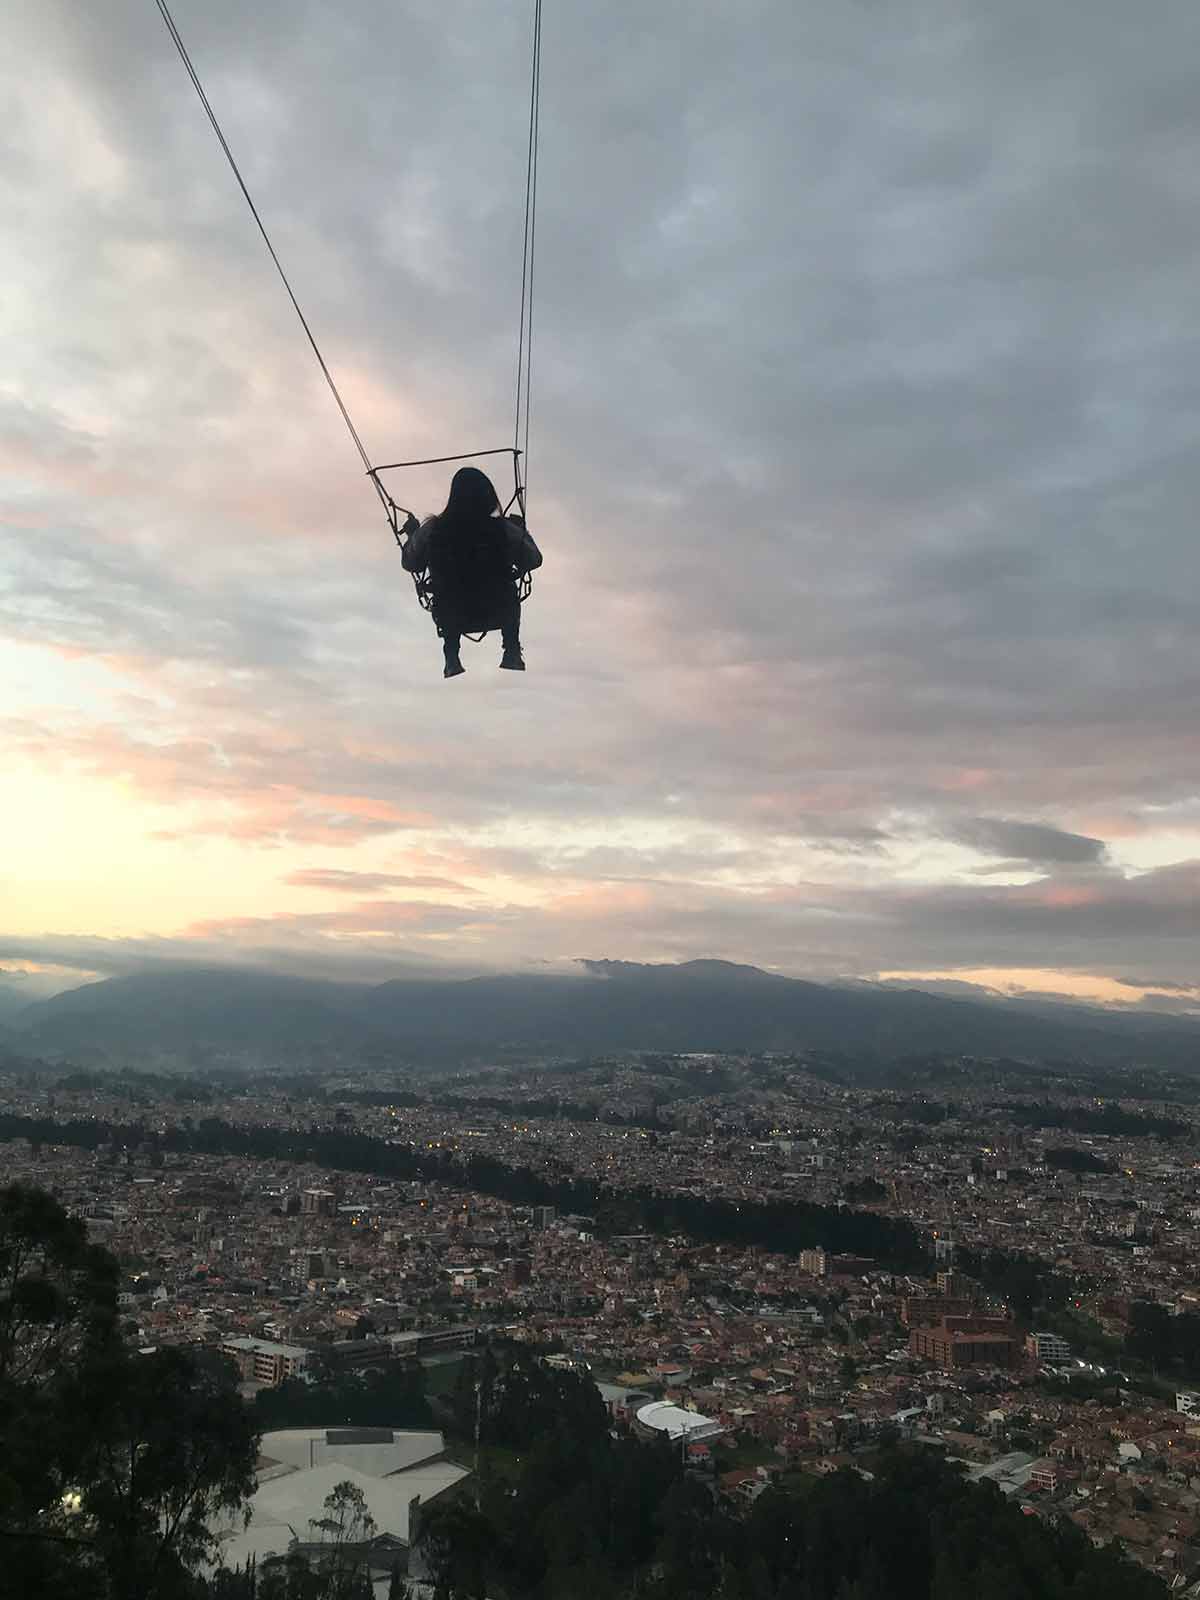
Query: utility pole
478 1410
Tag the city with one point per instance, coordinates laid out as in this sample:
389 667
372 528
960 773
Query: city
1032 1312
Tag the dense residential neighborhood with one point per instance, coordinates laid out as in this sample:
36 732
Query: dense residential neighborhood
1038 1336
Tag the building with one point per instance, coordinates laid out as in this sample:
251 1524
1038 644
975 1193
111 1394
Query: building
317 1203
543 1216
343 1354
1045 1475
813 1261
660 1417
1047 1347
622 1403
847 1266
418 1342
924 1310
953 1285
399 1472
266 1362
959 1342
1188 1401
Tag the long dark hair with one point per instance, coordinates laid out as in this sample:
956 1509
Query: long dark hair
473 500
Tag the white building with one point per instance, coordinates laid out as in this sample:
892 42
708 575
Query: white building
1047 1347
266 1361
662 1417
398 1471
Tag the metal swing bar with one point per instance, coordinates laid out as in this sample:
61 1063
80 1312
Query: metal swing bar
395 511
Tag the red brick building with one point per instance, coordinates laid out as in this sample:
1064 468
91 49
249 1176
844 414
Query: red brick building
958 1342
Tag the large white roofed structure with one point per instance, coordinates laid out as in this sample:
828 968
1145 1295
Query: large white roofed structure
676 1423
299 1467
376 1451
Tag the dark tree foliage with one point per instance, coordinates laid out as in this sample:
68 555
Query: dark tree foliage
390 1396
615 1518
1110 1119
918 1532
58 1293
868 1191
927 1112
1025 1282
1065 1159
371 1097
575 1513
1163 1340
113 1465
165 1450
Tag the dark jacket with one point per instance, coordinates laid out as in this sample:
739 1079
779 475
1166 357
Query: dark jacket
523 554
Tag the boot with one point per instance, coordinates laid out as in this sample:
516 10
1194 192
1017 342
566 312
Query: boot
512 659
453 666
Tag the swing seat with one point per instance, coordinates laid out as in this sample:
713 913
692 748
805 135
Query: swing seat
477 617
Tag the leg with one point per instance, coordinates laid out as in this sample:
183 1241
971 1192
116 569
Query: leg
451 643
510 633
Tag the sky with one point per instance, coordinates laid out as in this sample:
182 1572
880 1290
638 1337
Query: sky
866 391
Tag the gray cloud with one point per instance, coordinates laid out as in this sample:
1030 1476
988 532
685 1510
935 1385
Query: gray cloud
811 929
1027 841
1169 985
79 959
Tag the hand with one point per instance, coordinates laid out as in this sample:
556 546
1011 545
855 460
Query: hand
410 526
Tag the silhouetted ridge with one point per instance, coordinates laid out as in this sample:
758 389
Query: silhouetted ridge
207 1014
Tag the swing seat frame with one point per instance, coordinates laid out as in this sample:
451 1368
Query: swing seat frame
402 519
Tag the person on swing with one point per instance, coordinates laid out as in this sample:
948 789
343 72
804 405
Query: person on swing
474 556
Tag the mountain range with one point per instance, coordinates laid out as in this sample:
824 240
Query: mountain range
205 1016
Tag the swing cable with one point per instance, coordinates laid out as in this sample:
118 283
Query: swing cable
169 20
525 333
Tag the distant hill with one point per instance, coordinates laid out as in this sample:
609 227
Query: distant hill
213 1015
199 1015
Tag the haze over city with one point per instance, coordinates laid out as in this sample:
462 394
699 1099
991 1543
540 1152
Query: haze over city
863 464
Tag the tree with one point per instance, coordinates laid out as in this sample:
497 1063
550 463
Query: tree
58 1293
114 1463
346 1530
58 1297
165 1449
458 1544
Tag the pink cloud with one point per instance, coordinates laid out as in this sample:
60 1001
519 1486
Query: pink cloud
369 918
345 882
1067 896
261 806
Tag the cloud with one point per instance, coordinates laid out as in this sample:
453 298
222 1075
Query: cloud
1167 985
803 929
345 881
82 959
869 520
1027 841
